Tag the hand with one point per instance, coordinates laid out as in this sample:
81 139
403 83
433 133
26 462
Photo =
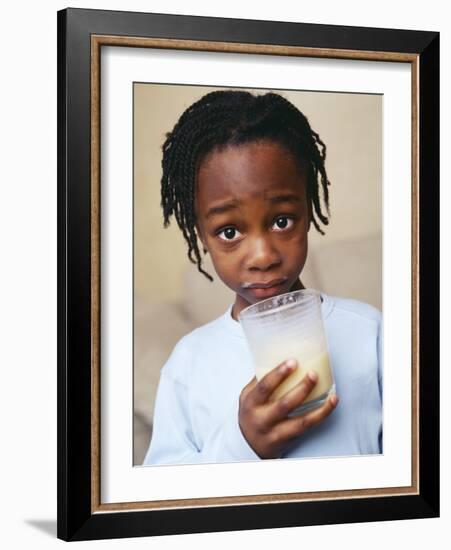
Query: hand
265 424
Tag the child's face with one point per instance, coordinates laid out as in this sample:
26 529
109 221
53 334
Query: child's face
253 218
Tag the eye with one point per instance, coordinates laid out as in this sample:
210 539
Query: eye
228 234
283 222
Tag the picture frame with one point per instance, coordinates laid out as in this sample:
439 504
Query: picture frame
81 36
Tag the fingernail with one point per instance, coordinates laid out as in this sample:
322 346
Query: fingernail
313 376
334 399
291 363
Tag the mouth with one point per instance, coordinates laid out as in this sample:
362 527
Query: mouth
269 284
266 289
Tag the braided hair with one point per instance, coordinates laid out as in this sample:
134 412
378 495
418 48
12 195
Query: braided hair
235 118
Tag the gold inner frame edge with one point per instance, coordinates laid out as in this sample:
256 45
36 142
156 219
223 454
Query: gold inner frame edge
97 41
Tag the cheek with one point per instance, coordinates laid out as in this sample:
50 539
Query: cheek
296 251
299 240
226 269
221 261
227 265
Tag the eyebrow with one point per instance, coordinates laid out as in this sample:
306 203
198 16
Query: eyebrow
233 204
221 208
286 197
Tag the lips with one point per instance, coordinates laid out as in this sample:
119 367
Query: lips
268 289
269 284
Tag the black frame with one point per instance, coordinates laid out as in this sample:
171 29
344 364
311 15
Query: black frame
75 518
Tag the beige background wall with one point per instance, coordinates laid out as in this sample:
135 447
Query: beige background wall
171 297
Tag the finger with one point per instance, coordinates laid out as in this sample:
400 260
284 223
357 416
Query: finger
293 398
296 426
248 387
264 388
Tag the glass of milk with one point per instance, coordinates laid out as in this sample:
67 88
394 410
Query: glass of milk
290 326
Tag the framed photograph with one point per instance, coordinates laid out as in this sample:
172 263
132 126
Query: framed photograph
148 442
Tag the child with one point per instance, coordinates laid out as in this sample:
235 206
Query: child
243 175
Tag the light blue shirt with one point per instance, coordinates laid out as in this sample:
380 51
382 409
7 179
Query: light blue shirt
196 409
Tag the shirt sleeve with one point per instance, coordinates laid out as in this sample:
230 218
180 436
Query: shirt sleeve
173 440
380 378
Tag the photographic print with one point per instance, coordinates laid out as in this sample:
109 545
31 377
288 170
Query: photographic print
173 297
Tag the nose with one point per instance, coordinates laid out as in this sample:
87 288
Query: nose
262 254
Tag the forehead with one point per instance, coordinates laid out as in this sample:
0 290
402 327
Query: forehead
250 170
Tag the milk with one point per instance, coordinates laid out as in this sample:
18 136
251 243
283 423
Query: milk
318 363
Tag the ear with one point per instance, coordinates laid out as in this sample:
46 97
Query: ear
310 215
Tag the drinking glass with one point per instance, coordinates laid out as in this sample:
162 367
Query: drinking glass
290 326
